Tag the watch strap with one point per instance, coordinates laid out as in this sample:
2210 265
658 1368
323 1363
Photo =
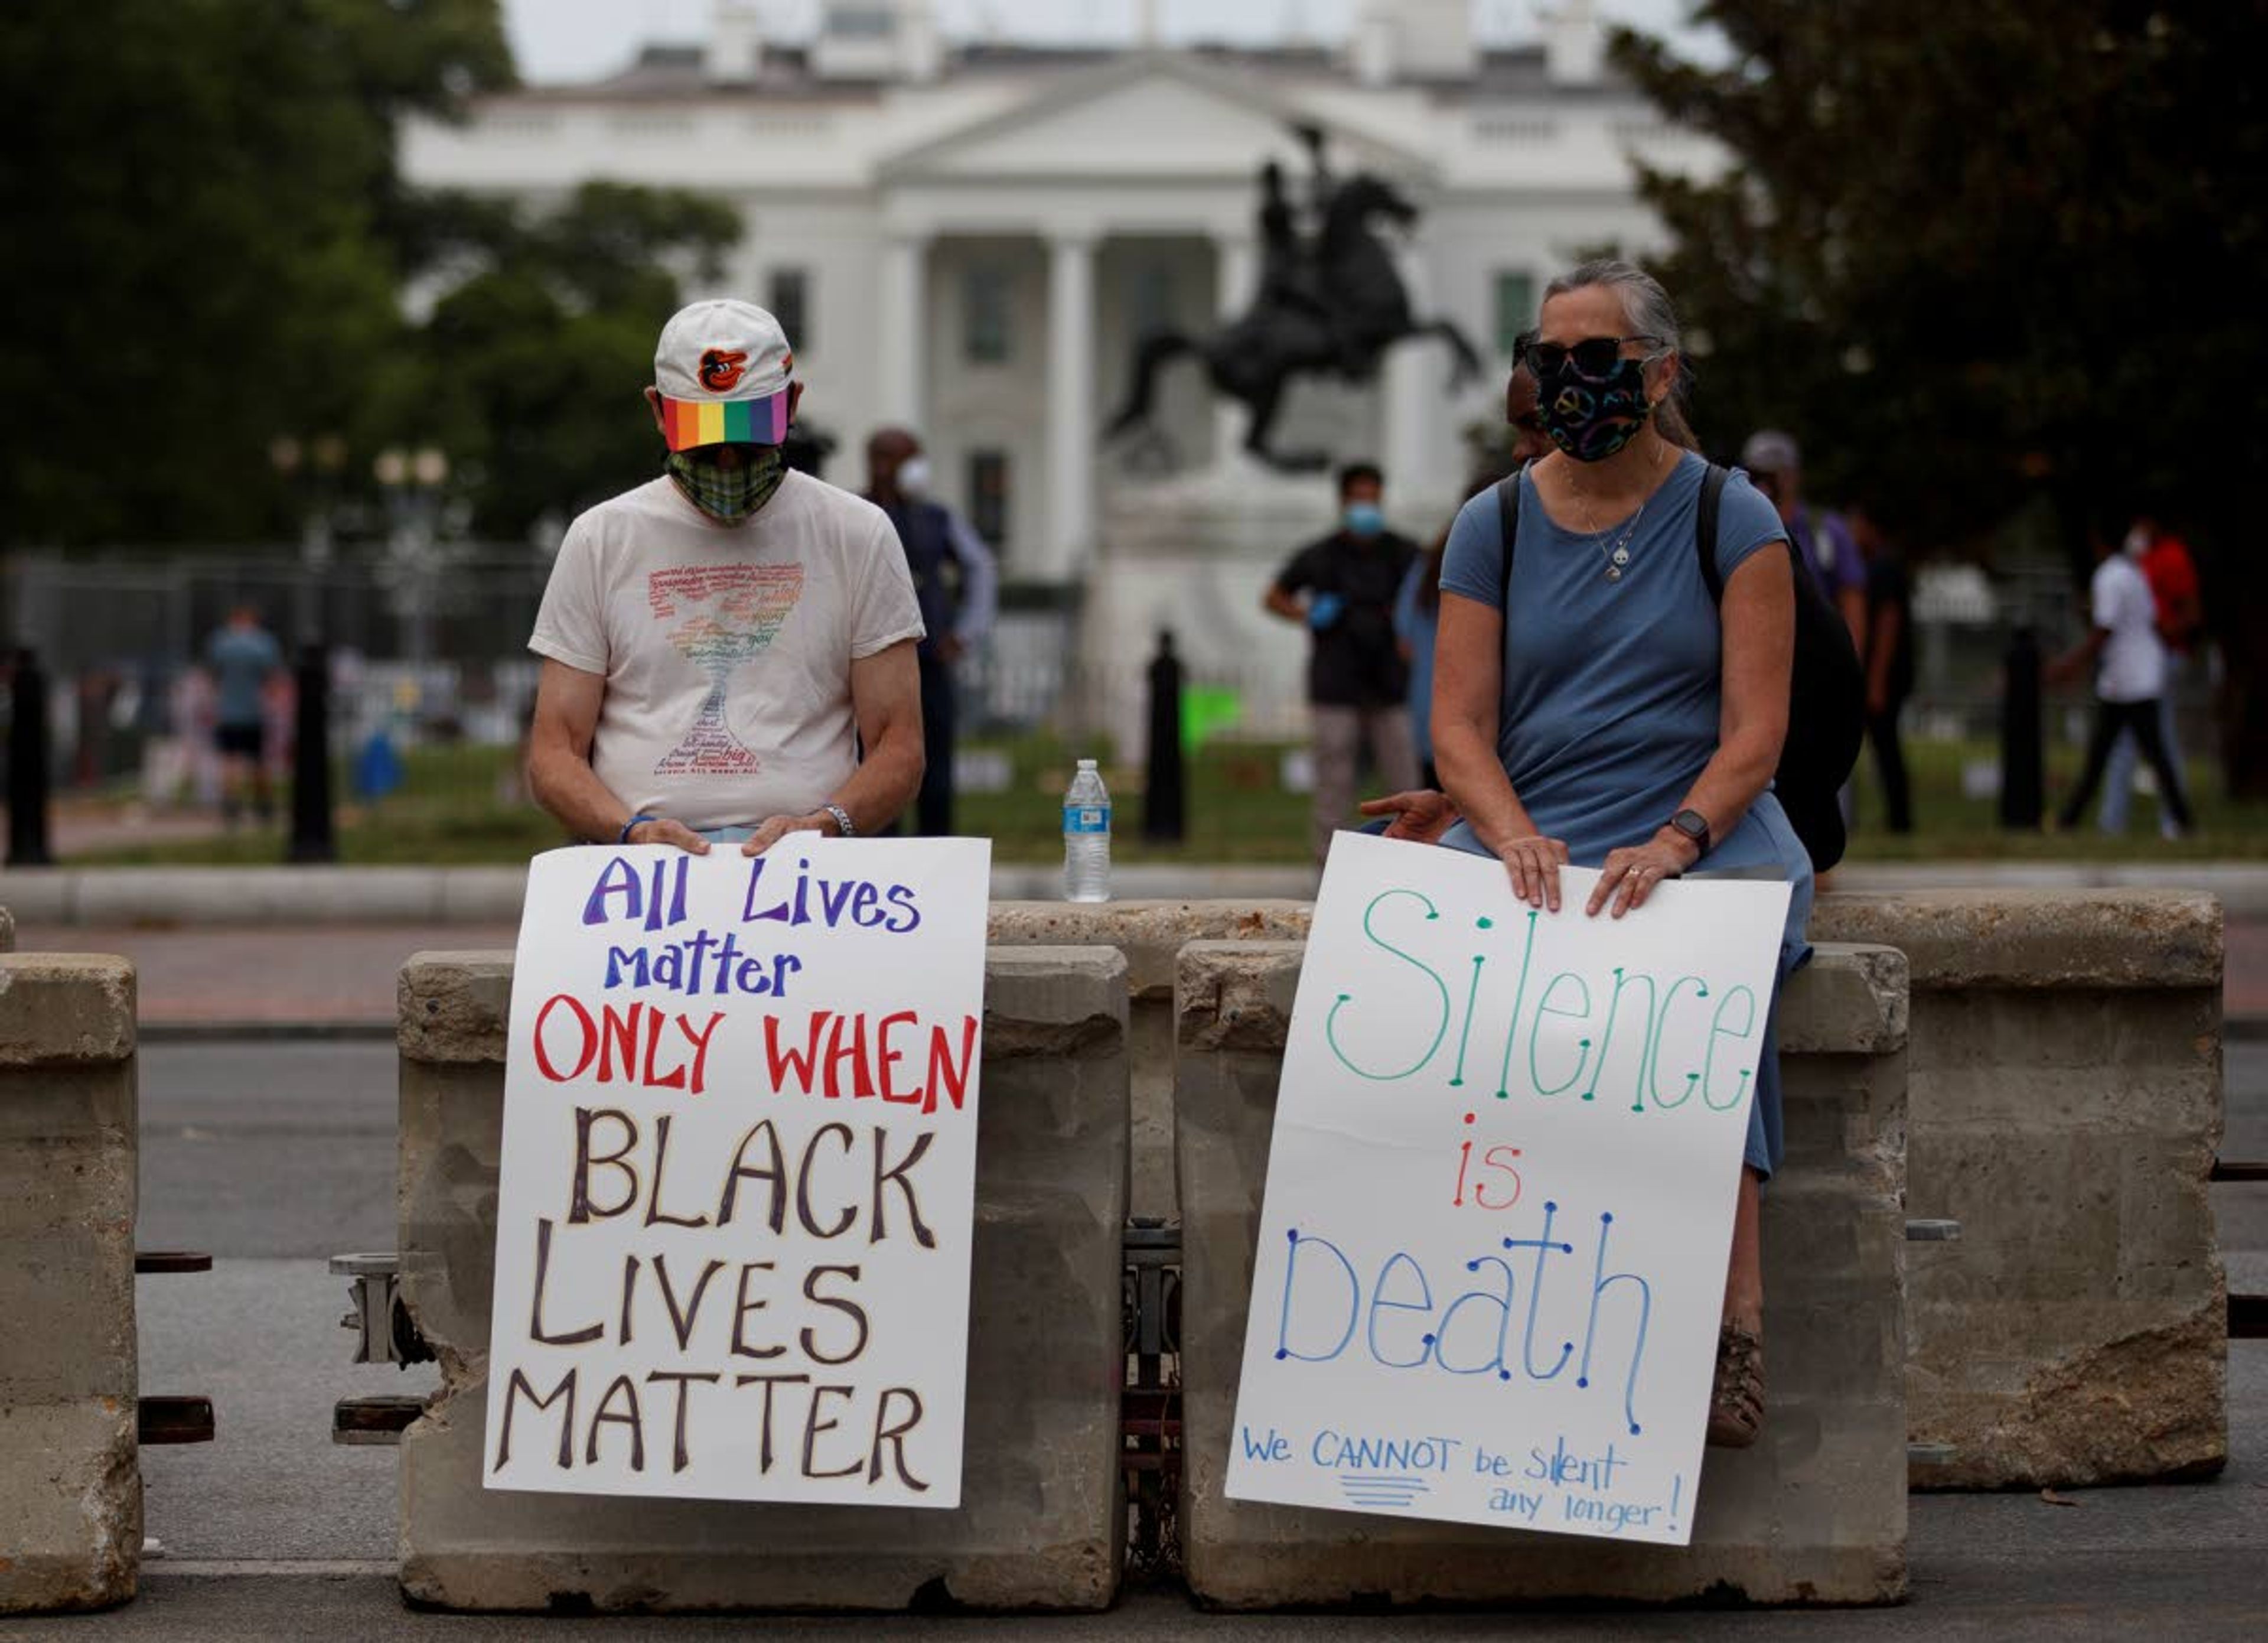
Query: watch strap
843 822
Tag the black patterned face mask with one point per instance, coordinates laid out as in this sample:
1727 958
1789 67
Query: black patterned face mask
1592 420
728 493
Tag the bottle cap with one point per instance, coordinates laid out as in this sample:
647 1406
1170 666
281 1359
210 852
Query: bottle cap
1087 764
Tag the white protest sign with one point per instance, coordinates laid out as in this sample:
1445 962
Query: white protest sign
738 1173
1499 1202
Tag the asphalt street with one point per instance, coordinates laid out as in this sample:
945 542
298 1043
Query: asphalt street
275 1155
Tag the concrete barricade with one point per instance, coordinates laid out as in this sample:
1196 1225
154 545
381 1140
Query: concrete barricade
70 1483
1042 1520
1151 935
2065 1107
1814 1513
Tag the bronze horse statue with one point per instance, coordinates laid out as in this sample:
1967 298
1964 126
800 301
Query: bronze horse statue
1329 310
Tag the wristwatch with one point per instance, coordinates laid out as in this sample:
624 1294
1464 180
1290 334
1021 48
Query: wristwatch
1695 826
842 820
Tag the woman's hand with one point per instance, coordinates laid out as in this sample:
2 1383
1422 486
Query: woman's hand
1632 872
1534 864
1421 816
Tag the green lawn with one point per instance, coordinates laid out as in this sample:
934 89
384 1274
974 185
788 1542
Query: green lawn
458 806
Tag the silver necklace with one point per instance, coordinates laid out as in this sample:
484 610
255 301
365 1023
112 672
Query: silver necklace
1617 556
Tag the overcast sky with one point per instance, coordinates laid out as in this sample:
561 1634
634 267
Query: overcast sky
581 39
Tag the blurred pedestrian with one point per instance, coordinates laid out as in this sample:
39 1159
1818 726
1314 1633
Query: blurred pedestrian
243 658
2171 572
2130 661
1886 654
1344 589
956 581
1821 540
1417 607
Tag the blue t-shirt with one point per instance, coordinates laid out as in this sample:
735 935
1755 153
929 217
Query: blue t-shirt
1612 690
241 659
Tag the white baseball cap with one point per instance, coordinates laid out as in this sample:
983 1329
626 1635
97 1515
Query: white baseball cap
722 369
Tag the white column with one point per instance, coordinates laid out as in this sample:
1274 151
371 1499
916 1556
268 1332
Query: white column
1071 415
1237 272
902 335
1412 376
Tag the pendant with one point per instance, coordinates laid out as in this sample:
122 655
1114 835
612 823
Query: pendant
1614 573
1622 556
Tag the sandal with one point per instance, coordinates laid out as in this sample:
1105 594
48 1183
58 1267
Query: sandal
1736 1401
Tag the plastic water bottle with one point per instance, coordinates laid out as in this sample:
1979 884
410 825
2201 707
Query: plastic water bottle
1086 836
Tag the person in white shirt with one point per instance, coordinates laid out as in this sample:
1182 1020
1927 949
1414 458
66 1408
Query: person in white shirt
720 643
2130 662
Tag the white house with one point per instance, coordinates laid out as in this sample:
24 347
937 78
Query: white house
972 239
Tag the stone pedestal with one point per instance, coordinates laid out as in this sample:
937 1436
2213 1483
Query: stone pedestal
70 1482
1815 1513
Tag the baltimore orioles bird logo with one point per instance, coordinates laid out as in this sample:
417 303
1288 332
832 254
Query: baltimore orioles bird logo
720 369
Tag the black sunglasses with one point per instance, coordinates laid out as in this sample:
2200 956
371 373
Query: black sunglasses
1595 358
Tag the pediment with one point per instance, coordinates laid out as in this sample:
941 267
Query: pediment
1161 116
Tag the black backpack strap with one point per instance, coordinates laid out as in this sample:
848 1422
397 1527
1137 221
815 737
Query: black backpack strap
1704 529
1507 511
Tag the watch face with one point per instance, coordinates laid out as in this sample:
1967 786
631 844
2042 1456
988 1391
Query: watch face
1691 823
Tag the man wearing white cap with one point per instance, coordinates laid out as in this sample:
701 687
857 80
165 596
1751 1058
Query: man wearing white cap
719 642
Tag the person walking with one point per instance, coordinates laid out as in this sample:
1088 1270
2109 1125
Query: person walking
955 580
2168 567
243 658
2130 680
1594 705
1342 588
728 649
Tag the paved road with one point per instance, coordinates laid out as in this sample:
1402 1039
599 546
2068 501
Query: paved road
275 1155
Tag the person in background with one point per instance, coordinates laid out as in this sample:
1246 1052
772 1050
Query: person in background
2171 572
1342 588
956 581
1417 607
243 657
1821 540
1886 655
2130 680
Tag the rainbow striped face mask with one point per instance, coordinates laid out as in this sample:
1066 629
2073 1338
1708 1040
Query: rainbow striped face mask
728 483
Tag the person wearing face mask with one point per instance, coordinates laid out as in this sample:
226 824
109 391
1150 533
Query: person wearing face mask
954 577
1343 589
720 643
1597 702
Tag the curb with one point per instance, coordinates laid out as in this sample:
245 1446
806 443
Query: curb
264 1031
223 897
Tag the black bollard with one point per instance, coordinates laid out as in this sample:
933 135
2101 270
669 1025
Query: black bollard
1165 793
2022 783
30 780
313 836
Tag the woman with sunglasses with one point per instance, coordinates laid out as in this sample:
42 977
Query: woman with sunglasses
1597 707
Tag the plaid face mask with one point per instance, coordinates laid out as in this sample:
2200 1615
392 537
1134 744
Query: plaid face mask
729 495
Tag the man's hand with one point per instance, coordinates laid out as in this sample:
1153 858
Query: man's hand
662 830
1420 816
774 828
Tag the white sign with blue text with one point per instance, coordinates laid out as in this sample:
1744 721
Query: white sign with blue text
1500 1194
738 1169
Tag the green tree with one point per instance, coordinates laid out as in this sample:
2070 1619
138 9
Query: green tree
1990 256
534 361
205 244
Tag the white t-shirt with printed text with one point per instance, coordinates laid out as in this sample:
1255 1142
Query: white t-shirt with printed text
2133 663
727 650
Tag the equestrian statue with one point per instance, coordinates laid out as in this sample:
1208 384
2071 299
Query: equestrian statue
1330 303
